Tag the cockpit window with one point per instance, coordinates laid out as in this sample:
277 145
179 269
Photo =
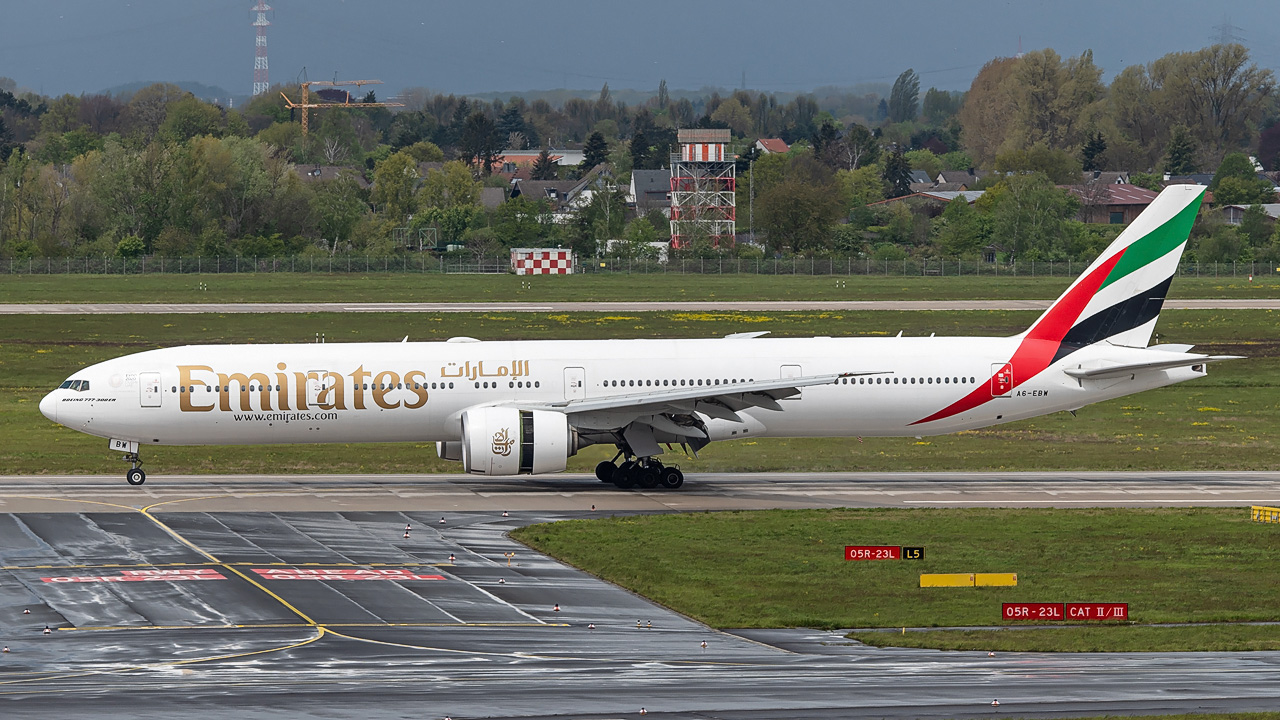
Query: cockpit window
77 385
66 384
84 386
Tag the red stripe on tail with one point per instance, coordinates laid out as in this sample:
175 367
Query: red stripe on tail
1041 343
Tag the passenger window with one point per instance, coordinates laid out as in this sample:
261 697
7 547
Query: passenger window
450 386
537 384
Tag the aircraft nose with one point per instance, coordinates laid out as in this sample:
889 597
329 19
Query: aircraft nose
49 407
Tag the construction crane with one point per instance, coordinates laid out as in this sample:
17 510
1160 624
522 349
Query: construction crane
305 106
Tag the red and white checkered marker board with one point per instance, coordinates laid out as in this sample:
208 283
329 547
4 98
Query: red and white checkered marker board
542 262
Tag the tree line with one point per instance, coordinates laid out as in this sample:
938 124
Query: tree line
164 172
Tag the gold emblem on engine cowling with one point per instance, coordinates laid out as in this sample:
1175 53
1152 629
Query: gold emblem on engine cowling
502 442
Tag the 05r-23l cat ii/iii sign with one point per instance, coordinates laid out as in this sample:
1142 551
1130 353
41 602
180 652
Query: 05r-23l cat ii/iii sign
510 408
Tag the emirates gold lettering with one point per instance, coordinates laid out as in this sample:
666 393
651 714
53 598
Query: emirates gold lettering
247 391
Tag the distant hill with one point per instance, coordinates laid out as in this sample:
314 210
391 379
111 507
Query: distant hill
200 90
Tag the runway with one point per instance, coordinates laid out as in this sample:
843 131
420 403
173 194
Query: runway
560 307
577 493
301 597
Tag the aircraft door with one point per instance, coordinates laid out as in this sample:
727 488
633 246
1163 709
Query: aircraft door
575 383
152 393
791 371
315 383
1001 380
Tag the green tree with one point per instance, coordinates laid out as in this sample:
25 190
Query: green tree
1055 100
338 207
521 222
1093 154
1150 181
957 160
1237 165
897 175
393 184
1058 165
190 117
1030 217
797 216
940 106
1180 154
449 187
425 151
861 187
988 113
480 144
904 98
286 137
544 168
131 246
960 230
924 160
639 149
594 152
1235 190
1255 226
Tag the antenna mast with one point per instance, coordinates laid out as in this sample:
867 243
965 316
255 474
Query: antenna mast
260 49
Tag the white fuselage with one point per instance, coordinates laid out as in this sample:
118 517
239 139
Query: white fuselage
417 392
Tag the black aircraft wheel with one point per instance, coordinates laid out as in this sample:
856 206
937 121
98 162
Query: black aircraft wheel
605 471
647 476
625 477
672 478
135 476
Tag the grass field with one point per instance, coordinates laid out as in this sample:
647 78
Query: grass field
786 568
1230 420
304 287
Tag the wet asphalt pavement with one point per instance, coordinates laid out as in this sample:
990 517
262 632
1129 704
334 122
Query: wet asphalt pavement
270 614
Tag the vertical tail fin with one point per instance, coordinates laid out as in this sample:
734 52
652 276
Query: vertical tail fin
1119 296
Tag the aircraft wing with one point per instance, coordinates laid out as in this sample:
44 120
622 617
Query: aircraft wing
730 396
1115 371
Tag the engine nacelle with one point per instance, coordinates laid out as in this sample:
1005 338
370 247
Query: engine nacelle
507 441
449 450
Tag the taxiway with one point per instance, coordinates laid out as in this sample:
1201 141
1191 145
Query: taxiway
300 597
560 307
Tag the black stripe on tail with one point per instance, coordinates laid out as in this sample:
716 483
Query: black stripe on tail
1125 315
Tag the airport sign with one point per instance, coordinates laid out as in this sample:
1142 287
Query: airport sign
1032 611
872 552
1097 611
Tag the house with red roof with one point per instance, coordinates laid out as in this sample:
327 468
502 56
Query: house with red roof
1113 203
770 146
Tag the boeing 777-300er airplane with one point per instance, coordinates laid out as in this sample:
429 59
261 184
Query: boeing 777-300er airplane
509 408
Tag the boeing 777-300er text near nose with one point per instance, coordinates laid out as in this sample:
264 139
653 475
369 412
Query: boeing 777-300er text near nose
509 408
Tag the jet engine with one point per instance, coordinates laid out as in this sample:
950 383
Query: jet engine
508 441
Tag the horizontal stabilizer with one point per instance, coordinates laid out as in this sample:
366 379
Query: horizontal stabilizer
1115 371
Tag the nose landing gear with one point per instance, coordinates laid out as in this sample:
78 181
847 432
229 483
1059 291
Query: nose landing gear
135 475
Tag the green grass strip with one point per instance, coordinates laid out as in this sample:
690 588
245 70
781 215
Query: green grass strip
786 568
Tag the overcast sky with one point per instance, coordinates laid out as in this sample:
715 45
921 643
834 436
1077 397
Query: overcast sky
75 46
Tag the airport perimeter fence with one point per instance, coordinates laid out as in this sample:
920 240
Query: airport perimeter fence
420 264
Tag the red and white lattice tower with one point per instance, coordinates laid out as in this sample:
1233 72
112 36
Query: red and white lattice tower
702 189
260 50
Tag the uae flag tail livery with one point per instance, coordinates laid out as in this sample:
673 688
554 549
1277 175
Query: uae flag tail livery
1116 302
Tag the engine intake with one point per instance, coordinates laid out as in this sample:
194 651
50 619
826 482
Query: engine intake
507 441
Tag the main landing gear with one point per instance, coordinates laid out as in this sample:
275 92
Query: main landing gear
134 476
646 473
